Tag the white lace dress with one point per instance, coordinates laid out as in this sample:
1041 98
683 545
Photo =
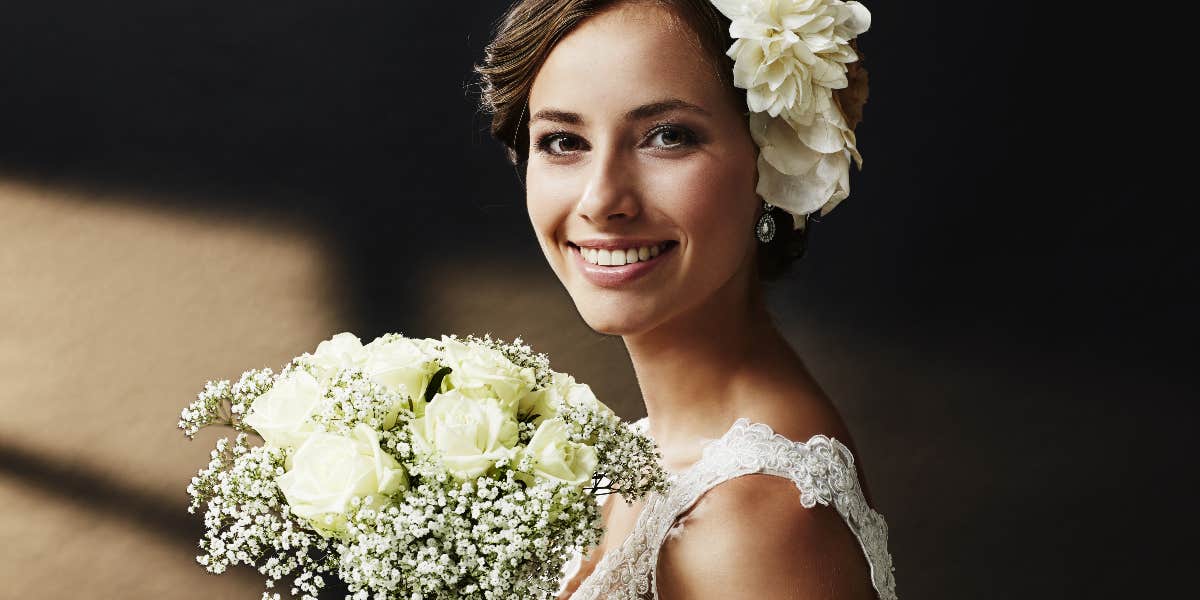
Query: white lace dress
822 469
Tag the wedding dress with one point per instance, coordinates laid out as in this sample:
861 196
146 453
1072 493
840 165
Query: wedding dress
822 469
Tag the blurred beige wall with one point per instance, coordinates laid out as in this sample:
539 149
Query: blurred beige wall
112 316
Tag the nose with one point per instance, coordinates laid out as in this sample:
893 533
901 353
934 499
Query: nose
611 193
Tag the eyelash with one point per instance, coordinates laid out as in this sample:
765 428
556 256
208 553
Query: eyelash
543 142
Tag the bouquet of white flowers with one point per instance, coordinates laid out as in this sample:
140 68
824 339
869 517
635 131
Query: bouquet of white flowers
411 468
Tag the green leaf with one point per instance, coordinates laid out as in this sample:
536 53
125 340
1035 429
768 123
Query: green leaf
435 383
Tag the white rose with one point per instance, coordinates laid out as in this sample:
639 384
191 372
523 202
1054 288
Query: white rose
481 372
544 403
400 364
468 435
342 351
281 414
429 346
329 470
557 458
580 395
562 390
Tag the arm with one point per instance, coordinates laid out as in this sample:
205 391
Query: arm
750 538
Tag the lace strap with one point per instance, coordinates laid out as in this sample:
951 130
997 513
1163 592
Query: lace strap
821 468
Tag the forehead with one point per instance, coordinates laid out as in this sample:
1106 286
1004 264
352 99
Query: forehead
626 55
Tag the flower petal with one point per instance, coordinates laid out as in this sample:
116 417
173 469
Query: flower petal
780 145
829 73
820 135
842 191
858 19
796 194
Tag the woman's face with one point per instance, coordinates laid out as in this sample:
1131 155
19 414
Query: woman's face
635 142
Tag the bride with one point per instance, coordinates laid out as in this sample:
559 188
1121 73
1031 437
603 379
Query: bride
662 204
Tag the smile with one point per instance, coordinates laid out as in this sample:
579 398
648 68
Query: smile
615 267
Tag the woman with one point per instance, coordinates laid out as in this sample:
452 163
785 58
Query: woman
646 178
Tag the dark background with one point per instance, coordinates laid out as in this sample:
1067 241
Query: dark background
1002 300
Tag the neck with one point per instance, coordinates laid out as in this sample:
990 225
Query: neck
709 365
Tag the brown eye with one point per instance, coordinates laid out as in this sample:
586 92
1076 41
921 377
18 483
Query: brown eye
671 136
560 143
564 144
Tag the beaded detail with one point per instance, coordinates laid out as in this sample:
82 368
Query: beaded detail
822 469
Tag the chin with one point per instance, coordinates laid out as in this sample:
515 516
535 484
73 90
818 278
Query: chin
611 320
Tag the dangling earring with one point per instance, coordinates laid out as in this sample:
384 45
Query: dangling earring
766 224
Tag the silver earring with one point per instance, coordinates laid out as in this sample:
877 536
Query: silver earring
765 230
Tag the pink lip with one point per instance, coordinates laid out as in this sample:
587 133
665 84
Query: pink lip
614 243
617 276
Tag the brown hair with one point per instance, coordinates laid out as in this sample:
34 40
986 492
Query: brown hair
530 29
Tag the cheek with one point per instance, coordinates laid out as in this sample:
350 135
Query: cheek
548 201
714 203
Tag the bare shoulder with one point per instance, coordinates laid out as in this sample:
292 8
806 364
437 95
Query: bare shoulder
750 537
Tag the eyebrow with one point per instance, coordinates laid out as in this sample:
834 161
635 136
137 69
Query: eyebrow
644 111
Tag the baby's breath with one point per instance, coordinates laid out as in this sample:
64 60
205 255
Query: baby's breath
490 538
223 403
629 462
353 398
246 518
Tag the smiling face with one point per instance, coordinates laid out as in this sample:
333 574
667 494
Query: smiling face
635 142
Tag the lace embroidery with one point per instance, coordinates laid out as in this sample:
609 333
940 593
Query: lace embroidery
822 469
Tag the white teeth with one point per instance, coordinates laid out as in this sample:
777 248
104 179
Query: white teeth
618 257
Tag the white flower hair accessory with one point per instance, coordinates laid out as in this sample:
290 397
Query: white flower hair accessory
789 56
